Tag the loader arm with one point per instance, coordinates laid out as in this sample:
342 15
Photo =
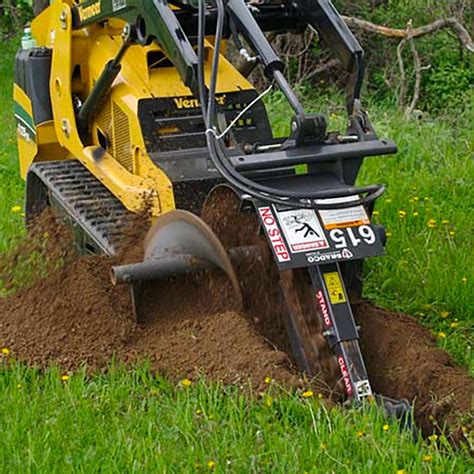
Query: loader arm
171 28
150 19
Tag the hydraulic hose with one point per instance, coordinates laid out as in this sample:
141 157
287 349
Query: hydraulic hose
217 150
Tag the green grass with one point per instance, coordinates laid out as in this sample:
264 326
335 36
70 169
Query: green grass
132 422
129 421
11 186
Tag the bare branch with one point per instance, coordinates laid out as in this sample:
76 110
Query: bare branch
417 67
403 77
452 23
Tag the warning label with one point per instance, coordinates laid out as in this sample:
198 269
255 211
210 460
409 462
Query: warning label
302 230
274 234
347 217
335 288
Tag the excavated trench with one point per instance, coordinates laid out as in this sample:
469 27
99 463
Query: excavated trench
75 317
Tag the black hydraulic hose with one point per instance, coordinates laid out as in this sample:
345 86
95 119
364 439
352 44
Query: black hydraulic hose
211 104
291 198
201 55
224 167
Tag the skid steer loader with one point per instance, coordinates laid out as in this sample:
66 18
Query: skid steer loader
124 104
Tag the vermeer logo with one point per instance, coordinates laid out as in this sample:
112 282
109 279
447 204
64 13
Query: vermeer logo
184 103
86 12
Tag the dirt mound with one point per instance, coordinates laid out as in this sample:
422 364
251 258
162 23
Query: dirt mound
403 362
75 316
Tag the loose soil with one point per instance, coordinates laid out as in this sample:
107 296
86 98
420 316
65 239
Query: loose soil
75 317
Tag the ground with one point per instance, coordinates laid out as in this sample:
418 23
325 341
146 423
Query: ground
134 421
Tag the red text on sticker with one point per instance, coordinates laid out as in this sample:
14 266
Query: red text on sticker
345 375
324 309
274 234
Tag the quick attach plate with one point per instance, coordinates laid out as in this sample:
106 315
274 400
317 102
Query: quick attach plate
305 237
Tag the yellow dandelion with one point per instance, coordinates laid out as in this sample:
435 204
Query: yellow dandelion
268 380
416 198
431 223
65 377
402 214
385 427
442 335
307 394
444 314
401 471
452 233
444 222
388 234
19 386
416 214
198 411
433 438
186 383
375 213
464 280
268 401
5 351
211 464
454 325
427 458
359 434
16 209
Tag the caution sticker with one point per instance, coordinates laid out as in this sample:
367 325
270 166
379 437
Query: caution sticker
335 288
302 230
346 217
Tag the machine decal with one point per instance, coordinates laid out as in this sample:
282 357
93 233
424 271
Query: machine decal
324 309
274 234
363 388
345 375
337 255
334 286
352 236
300 240
89 11
192 103
118 4
347 217
24 123
302 230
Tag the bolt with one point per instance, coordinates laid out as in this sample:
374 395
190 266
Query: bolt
65 127
126 32
63 19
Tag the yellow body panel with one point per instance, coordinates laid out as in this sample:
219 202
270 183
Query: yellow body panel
125 167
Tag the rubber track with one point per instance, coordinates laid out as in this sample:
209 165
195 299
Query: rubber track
86 201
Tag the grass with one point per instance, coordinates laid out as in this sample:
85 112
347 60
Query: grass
11 186
130 421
